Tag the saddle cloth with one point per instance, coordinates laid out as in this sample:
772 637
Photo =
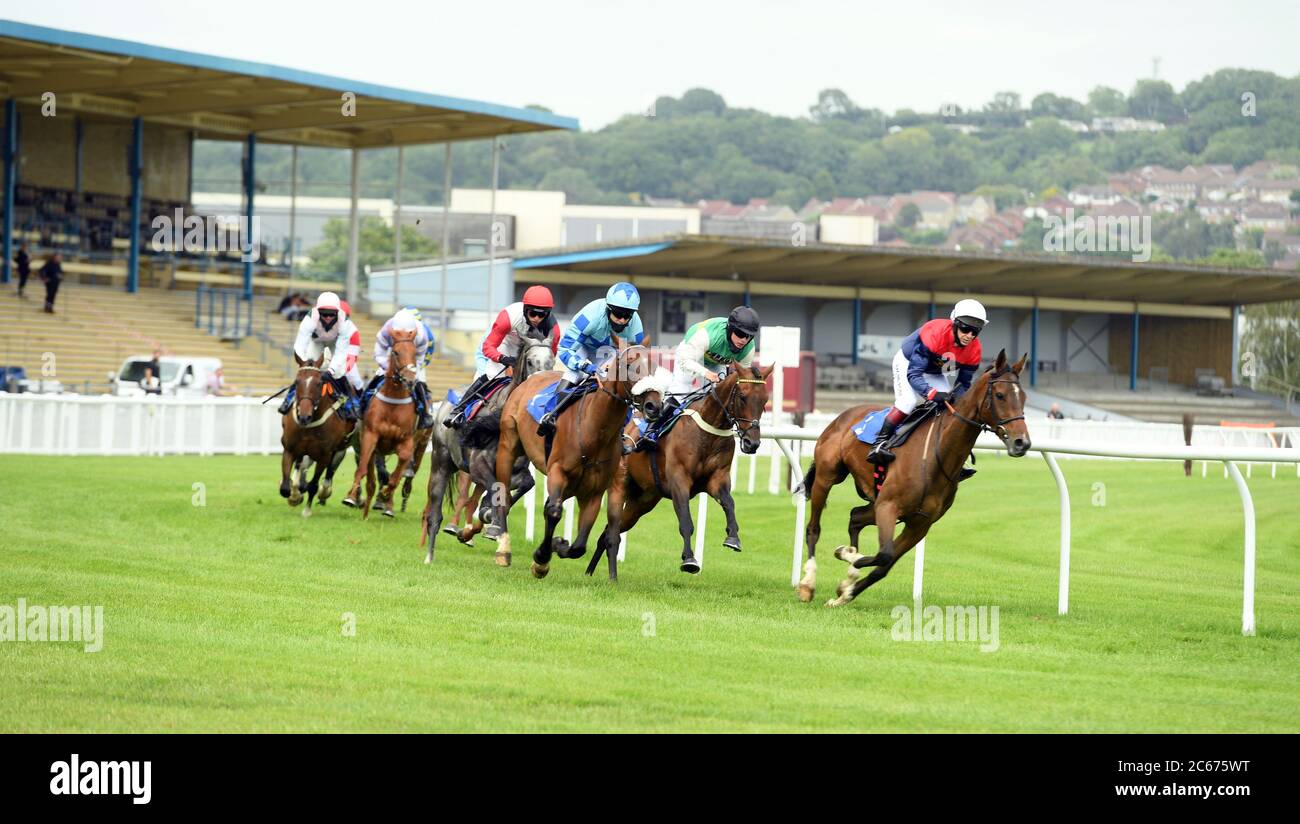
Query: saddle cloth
454 396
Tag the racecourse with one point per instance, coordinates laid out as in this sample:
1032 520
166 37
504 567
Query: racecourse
233 615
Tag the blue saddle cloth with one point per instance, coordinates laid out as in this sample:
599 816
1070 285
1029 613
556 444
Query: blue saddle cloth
543 401
869 427
664 424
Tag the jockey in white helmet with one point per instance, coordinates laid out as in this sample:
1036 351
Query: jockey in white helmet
936 363
328 326
405 321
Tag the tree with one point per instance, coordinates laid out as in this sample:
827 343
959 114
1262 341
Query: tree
1272 340
1155 100
1103 101
909 215
377 243
701 101
1004 110
1051 105
833 104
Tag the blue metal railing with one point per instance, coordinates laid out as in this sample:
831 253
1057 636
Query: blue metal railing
234 318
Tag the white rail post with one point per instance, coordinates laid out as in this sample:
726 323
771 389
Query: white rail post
774 470
701 522
530 507
1063 599
800 510
1248 573
753 470
918 570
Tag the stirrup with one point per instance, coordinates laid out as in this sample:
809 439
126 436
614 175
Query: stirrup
880 455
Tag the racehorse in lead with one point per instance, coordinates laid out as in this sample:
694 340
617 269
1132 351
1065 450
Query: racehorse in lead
921 482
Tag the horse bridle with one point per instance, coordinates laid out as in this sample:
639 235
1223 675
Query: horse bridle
998 428
731 421
315 401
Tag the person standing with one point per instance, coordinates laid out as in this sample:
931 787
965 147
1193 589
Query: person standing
24 263
52 274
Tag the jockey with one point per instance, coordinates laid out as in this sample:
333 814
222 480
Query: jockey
592 330
503 342
428 330
405 321
709 347
922 364
328 325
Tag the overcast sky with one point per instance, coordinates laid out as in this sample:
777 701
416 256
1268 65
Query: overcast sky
599 60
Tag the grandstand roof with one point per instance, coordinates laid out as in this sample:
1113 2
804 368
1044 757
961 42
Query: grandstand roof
706 263
222 98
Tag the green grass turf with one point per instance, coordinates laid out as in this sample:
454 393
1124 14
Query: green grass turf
229 616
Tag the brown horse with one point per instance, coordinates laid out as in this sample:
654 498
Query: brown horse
918 489
694 457
585 457
312 433
388 426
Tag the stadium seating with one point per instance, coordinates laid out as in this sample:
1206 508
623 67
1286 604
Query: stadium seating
95 328
1169 405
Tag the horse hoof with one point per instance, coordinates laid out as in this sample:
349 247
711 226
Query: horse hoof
540 570
806 593
306 513
732 544
451 529
403 504
387 513
491 532
691 565
349 501
836 602
284 491
502 559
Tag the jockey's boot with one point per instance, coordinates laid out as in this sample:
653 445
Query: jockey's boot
564 395
287 403
879 455
650 440
351 403
455 418
422 406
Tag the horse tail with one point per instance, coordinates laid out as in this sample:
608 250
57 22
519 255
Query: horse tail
482 431
451 494
808 480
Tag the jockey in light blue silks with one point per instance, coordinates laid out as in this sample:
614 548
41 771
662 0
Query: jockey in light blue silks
589 341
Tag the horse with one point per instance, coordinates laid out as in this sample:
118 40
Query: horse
312 435
388 426
472 451
917 490
694 457
583 460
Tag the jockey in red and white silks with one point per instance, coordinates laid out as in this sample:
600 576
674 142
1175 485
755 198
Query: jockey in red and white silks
329 327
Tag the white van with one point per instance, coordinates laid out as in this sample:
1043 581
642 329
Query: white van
184 376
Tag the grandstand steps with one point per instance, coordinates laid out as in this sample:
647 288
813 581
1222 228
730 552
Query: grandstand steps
1169 407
